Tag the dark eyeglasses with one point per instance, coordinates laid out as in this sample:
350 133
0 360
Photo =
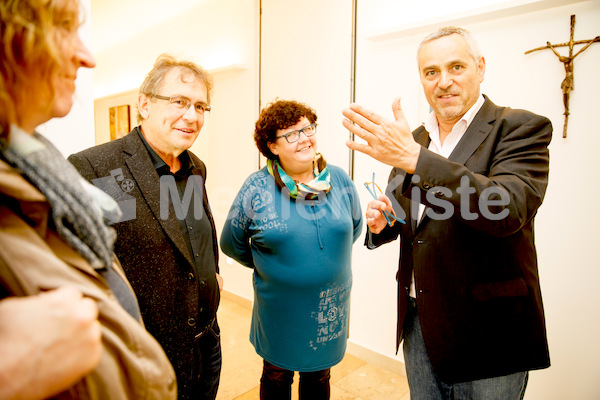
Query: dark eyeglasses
294 136
184 103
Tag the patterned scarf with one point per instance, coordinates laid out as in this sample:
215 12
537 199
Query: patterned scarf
308 191
77 208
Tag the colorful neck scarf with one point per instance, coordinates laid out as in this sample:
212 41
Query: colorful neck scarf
308 191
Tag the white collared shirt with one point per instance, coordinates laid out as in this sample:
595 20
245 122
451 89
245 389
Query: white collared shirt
445 149
458 130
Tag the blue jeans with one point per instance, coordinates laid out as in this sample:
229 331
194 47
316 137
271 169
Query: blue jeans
209 348
276 384
425 385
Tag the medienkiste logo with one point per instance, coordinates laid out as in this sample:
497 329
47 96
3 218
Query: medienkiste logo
117 186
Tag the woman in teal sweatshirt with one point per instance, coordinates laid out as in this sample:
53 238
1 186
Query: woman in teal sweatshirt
294 222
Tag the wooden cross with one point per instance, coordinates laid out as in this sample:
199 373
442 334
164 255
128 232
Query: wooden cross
567 83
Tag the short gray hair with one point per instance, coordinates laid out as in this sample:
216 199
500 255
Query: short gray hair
451 30
165 63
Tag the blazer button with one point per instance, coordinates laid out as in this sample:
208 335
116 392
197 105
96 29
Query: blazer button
191 321
427 185
420 242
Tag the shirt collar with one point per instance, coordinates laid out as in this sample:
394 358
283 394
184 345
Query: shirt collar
431 123
161 167
470 115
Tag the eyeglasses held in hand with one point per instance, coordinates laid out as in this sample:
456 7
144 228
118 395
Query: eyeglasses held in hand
294 136
389 217
184 103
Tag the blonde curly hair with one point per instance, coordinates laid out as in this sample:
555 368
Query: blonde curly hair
31 52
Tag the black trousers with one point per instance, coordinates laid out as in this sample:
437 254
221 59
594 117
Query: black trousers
276 384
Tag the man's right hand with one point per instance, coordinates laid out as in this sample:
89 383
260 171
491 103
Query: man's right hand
390 142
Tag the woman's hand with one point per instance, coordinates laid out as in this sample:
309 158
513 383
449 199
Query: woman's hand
47 343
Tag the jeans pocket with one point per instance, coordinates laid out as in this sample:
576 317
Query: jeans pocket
215 330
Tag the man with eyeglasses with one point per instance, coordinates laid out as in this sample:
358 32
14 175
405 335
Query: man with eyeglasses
167 241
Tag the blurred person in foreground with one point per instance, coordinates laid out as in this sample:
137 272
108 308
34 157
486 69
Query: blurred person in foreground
167 240
469 181
70 326
294 223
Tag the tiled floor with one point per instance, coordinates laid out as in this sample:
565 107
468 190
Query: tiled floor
352 379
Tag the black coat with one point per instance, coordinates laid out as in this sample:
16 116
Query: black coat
478 294
153 252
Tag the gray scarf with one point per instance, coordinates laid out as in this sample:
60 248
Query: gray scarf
77 207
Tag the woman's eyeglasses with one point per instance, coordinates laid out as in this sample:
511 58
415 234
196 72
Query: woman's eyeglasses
294 136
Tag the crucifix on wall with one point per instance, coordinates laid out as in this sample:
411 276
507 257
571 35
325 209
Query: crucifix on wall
567 83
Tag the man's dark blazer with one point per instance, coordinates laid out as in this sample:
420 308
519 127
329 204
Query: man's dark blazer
153 252
478 294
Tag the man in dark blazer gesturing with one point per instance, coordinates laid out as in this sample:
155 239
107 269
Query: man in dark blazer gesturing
468 183
166 238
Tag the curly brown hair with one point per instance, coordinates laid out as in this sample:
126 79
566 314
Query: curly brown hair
280 114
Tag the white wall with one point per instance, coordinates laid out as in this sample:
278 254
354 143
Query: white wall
306 56
75 131
387 68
